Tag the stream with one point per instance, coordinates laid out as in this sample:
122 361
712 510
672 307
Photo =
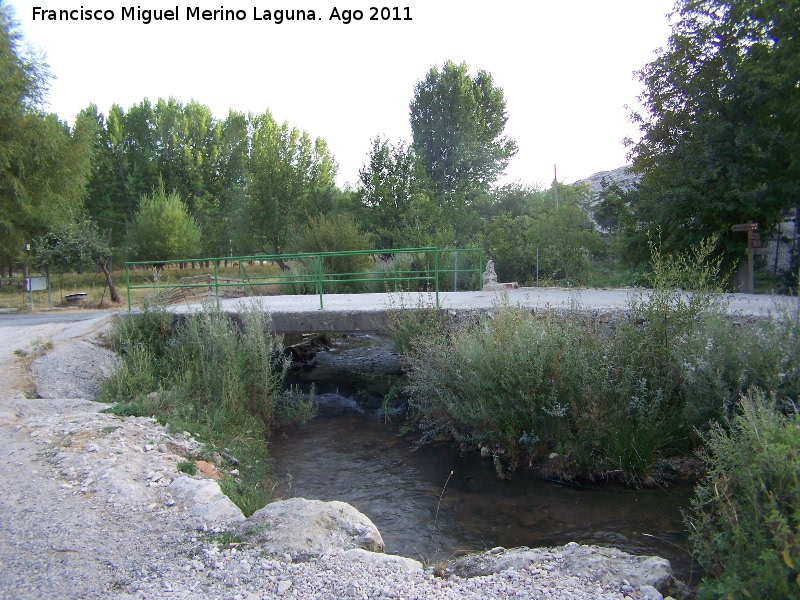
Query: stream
349 453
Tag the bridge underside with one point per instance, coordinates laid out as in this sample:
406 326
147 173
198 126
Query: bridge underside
320 320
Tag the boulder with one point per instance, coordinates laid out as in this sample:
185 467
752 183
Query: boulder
373 558
593 562
206 500
305 528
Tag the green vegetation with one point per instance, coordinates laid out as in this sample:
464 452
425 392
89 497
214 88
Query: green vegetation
44 164
162 228
745 518
219 378
611 400
73 246
187 466
720 134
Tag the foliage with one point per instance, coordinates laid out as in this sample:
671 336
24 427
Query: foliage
43 163
210 374
75 245
412 325
162 228
458 125
745 518
522 219
566 236
286 171
335 234
187 466
610 400
394 198
71 246
721 138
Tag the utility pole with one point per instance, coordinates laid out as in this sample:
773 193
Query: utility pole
555 183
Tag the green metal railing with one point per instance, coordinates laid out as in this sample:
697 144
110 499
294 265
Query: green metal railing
400 269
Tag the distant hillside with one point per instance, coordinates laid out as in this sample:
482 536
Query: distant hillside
621 176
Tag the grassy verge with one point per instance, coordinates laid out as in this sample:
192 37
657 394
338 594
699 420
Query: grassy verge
218 378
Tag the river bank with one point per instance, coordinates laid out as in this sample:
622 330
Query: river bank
90 510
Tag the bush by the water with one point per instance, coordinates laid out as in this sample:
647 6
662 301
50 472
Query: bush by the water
218 377
745 519
579 398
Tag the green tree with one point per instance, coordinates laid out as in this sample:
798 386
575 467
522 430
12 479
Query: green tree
43 163
74 245
163 229
458 127
286 172
394 197
566 236
721 132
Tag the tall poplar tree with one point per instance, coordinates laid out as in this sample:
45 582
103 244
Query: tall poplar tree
458 127
286 170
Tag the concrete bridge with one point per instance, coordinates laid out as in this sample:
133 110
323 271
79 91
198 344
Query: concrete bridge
370 312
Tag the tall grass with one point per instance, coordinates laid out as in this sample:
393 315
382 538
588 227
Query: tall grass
599 400
209 373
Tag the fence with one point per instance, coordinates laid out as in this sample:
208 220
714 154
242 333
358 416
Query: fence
404 269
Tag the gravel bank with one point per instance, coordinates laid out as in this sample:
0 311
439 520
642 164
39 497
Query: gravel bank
87 511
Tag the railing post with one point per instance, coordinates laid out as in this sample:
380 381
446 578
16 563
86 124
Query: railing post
216 281
480 268
128 285
455 271
394 269
436 273
318 277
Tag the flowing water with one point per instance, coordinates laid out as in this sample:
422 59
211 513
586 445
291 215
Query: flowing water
423 511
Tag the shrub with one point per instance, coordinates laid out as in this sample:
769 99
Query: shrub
745 519
209 373
609 400
335 234
187 466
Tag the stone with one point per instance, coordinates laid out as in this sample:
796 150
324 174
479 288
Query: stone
303 528
206 500
648 592
597 563
375 559
489 276
490 280
283 587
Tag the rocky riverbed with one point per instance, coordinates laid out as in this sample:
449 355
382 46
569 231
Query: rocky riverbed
95 506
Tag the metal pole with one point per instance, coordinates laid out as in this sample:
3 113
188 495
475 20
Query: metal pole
436 273
537 266
455 272
128 285
318 277
216 281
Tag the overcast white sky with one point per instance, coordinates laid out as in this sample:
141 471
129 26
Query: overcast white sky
566 68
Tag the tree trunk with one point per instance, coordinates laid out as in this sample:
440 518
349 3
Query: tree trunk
112 290
284 267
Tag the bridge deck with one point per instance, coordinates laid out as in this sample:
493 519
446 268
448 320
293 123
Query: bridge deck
369 312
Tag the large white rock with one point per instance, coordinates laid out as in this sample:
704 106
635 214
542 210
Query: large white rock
373 558
592 562
303 527
206 500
